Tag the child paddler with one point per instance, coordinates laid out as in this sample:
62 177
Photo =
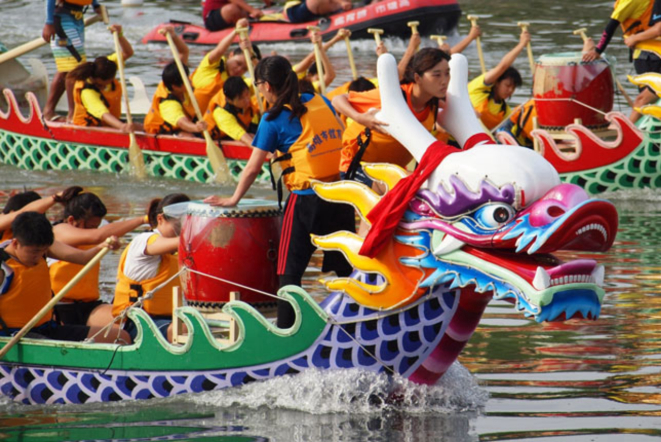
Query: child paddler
147 262
216 67
425 82
25 284
96 92
305 135
65 30
489 92
171 111
238 118
81 227
641 25
28 201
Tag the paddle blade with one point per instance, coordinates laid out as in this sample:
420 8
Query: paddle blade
136 159
218 163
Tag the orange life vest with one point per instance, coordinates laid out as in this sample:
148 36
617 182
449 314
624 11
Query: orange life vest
7 235
382 148
523 123
111 97
76 2
29 291
128 291
154 122
489 119
204 94
86 290
316 152
244 119
636 25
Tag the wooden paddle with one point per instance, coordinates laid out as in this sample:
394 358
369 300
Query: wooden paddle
247 53
136 160
214 153
317 57
45 309
352 63
473 19
524 27
37 43
376 33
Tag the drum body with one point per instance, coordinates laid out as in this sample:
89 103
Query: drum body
238 244
562 77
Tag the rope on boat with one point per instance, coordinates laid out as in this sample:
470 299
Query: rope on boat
574 100
227 281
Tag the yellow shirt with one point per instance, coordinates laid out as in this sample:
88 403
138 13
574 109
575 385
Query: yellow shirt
206 72
629 9
491 113
172 111
229 124
92 99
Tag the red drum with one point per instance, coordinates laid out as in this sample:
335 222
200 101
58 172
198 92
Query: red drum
238 244
561 77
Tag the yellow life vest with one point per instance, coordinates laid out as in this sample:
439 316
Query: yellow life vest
128 291
636 25
247 120
111 97
316 152
154 122
29 291
86 290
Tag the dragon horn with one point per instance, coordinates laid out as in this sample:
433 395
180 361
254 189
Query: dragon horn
458 117
402 125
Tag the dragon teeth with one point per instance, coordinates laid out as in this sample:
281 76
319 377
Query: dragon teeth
593 226
598 275
449 244
542 280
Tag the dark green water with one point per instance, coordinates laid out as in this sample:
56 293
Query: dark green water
576 381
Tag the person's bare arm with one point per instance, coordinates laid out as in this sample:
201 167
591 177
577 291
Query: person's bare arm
162 246
493 74
223 45
75 236
248 176
474 32
368 119
64 252
414 44
127 49
181 45
649 34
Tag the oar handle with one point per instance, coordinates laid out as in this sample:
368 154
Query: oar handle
377 34
122 78
478 42
243 34
352 62
45 309
414 26
318 59
524 27
36 43
184 77
582 33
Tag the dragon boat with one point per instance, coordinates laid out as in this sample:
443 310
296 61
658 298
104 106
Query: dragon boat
31 143
483 227
433 16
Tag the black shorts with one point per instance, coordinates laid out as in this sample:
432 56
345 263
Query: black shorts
300 13
359 176
53 330
306 214
76 313
214 21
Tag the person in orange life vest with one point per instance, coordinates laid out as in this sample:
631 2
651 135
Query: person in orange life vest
28 201
222 14
81 228
489 92
307 70
148 261
309 10
238 118
641 25
65 30
171 111
520 124
97 93
304 133
216 67
424 86
25 286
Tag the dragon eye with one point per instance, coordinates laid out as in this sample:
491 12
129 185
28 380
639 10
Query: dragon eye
494 215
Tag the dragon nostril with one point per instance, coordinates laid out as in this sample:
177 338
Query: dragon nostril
555 211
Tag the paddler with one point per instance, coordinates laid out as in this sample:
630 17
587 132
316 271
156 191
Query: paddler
237 118
80 227
65 30
313 10
97 94
171 111
641 25
217 66
148 261
304 133
25 284
222 14
489 92
307 70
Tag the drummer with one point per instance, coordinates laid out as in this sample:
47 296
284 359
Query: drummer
641 25
489 92
304 133
171 111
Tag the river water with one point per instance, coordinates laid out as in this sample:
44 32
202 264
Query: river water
517 380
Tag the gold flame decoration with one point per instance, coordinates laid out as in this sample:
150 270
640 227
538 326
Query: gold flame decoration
401 282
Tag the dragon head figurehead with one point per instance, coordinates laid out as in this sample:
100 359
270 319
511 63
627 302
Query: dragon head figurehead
487 221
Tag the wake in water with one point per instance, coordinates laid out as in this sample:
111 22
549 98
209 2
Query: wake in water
354 391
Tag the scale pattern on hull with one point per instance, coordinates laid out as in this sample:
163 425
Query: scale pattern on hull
33 153
356 337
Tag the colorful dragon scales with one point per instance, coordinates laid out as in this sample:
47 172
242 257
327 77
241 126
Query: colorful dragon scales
483 227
